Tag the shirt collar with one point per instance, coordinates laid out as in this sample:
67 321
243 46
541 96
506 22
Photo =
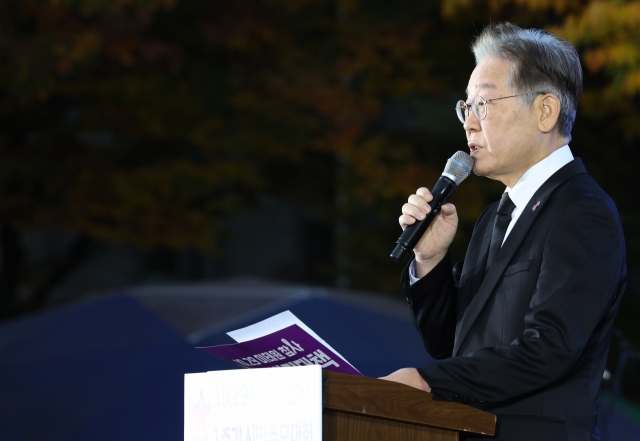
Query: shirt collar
537 175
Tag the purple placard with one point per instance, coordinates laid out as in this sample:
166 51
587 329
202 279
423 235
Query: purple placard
291 346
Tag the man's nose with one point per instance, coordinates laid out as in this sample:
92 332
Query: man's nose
471 122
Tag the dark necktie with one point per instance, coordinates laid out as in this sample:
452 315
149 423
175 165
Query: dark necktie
503 218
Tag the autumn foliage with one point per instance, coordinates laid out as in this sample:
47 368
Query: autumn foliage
151 121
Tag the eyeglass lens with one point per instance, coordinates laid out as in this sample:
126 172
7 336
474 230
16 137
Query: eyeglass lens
478 105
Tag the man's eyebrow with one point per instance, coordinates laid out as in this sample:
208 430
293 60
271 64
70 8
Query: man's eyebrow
482 86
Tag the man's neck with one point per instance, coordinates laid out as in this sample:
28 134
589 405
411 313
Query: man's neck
543 169
544 152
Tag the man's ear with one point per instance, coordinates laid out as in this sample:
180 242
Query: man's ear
548 110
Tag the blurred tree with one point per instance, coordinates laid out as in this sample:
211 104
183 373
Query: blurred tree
106 133
318 80
147 122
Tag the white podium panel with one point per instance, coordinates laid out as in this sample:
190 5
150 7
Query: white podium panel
254 404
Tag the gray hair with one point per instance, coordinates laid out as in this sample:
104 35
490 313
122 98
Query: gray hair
540 63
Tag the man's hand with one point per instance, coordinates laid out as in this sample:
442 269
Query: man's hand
410 377
435 242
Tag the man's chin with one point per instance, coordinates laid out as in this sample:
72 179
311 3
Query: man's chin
479 172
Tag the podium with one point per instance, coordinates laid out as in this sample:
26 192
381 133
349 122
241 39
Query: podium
366 409
293 404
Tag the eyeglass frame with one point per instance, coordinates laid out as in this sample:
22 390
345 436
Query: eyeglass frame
460 112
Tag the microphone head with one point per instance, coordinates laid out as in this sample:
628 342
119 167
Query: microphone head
458 167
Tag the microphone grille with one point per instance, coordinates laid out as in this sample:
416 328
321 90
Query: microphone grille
458 167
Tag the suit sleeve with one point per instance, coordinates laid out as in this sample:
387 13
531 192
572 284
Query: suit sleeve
432 301
582 271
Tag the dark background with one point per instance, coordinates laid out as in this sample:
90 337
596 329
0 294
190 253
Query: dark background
147 142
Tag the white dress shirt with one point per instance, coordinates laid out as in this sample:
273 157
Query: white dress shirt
524 189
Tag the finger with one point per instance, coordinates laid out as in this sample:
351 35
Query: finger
405 221
448 210
419 202
425 194
412 210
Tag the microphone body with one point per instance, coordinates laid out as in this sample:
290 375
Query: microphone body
458 168
412 234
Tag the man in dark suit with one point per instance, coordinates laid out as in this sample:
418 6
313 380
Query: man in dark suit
523 324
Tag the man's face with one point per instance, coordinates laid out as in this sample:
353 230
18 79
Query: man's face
506 143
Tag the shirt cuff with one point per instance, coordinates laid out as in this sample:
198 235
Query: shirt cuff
412 273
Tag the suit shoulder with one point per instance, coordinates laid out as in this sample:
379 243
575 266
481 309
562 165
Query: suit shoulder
581 205
583 189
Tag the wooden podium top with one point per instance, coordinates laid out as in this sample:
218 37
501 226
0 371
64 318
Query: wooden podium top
398 402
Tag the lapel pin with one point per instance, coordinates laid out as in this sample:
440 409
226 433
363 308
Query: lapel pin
535 206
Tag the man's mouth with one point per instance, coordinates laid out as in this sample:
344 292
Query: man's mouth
474 148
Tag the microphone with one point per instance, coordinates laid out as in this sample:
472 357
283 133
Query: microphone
458 168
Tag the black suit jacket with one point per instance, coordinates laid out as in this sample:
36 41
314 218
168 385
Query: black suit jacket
528 340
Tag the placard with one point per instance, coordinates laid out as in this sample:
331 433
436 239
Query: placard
290 346
254 404
280 340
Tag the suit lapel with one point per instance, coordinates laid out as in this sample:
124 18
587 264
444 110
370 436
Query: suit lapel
511 245
471 282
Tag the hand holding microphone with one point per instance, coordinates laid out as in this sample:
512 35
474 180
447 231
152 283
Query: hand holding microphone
422 210
435 241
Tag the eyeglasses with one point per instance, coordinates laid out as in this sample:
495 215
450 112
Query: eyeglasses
478 105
